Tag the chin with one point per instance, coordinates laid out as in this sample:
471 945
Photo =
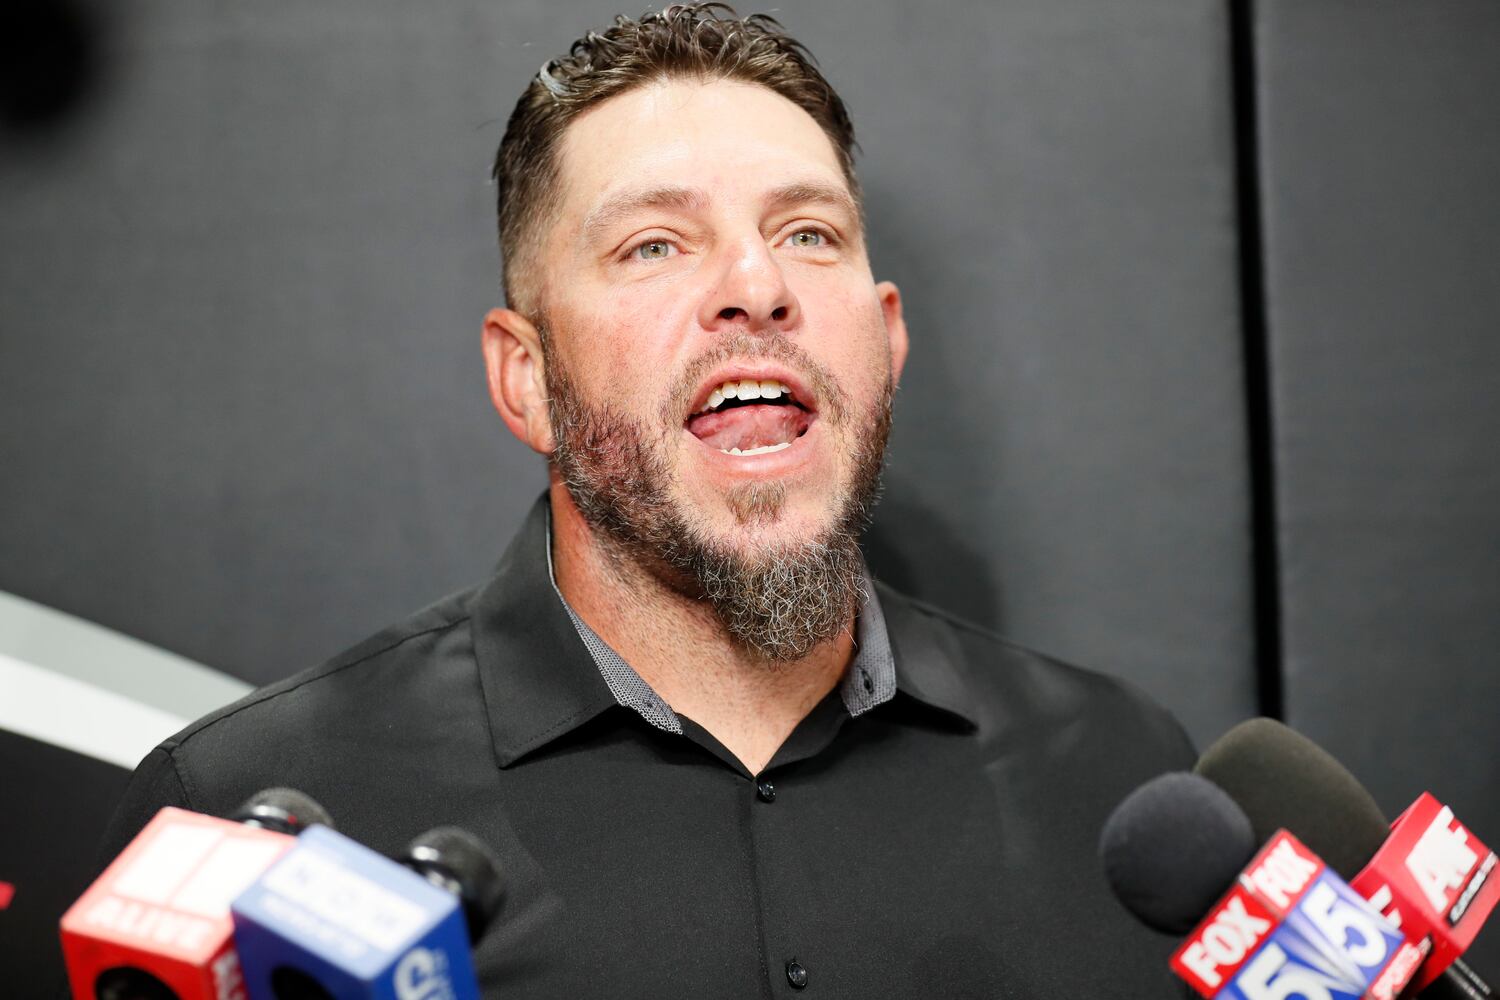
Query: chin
754 517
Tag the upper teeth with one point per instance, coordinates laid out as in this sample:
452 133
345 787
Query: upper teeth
745 388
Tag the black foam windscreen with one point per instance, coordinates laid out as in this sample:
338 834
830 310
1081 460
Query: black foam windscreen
1173 847
456 860
1283 780
284 810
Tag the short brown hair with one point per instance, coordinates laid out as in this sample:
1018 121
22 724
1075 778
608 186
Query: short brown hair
706 40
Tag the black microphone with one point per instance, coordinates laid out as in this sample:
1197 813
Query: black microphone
281 810
455 860
1264 921
1172 847
334 918
1283 780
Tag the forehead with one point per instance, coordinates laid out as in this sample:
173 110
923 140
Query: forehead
733 139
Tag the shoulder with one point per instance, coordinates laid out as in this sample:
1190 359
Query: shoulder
380 666
1017 690
317 728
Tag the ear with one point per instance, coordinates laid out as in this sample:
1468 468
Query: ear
895 326
516 371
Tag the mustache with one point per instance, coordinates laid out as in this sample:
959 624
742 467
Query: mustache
832 401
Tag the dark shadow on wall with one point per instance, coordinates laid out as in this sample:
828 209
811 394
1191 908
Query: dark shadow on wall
50 62
913 549
934 553
56 806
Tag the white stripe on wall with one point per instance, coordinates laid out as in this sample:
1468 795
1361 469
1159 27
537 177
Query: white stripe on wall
78 716
86 688
104 658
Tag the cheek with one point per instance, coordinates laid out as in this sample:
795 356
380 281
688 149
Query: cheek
620 345
856 343
643 321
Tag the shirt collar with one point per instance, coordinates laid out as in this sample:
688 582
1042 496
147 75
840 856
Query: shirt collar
540 678
869 681
536 678
929 661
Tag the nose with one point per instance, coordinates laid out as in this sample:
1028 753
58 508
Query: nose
750 292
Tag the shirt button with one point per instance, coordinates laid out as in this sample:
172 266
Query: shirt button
796 975
869 684
765 791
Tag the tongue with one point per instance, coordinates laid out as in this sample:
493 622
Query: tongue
746 427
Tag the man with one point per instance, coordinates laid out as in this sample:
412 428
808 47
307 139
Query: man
714 758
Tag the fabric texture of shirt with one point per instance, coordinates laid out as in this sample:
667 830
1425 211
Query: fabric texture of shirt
939 844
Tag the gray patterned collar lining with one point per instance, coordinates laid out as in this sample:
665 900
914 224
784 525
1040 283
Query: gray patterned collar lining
870 680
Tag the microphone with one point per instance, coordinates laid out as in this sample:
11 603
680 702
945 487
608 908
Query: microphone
156 924
281 810
1274 923
1173 847
458 862
333 918
1427 876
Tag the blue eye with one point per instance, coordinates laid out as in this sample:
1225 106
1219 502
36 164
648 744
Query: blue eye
654 250
808 238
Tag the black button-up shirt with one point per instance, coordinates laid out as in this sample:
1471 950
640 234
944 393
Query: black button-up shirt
941 843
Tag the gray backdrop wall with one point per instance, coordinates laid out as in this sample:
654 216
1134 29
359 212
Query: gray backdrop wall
1202 393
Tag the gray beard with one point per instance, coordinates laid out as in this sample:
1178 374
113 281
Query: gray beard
779 604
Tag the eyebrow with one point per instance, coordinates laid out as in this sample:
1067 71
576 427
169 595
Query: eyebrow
816 193
688 200
612 211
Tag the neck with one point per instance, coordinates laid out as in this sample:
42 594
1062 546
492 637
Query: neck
679 647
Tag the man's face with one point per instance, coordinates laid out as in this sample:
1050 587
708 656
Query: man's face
707 239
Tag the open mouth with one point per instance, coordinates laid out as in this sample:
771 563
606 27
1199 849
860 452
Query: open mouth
750 417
